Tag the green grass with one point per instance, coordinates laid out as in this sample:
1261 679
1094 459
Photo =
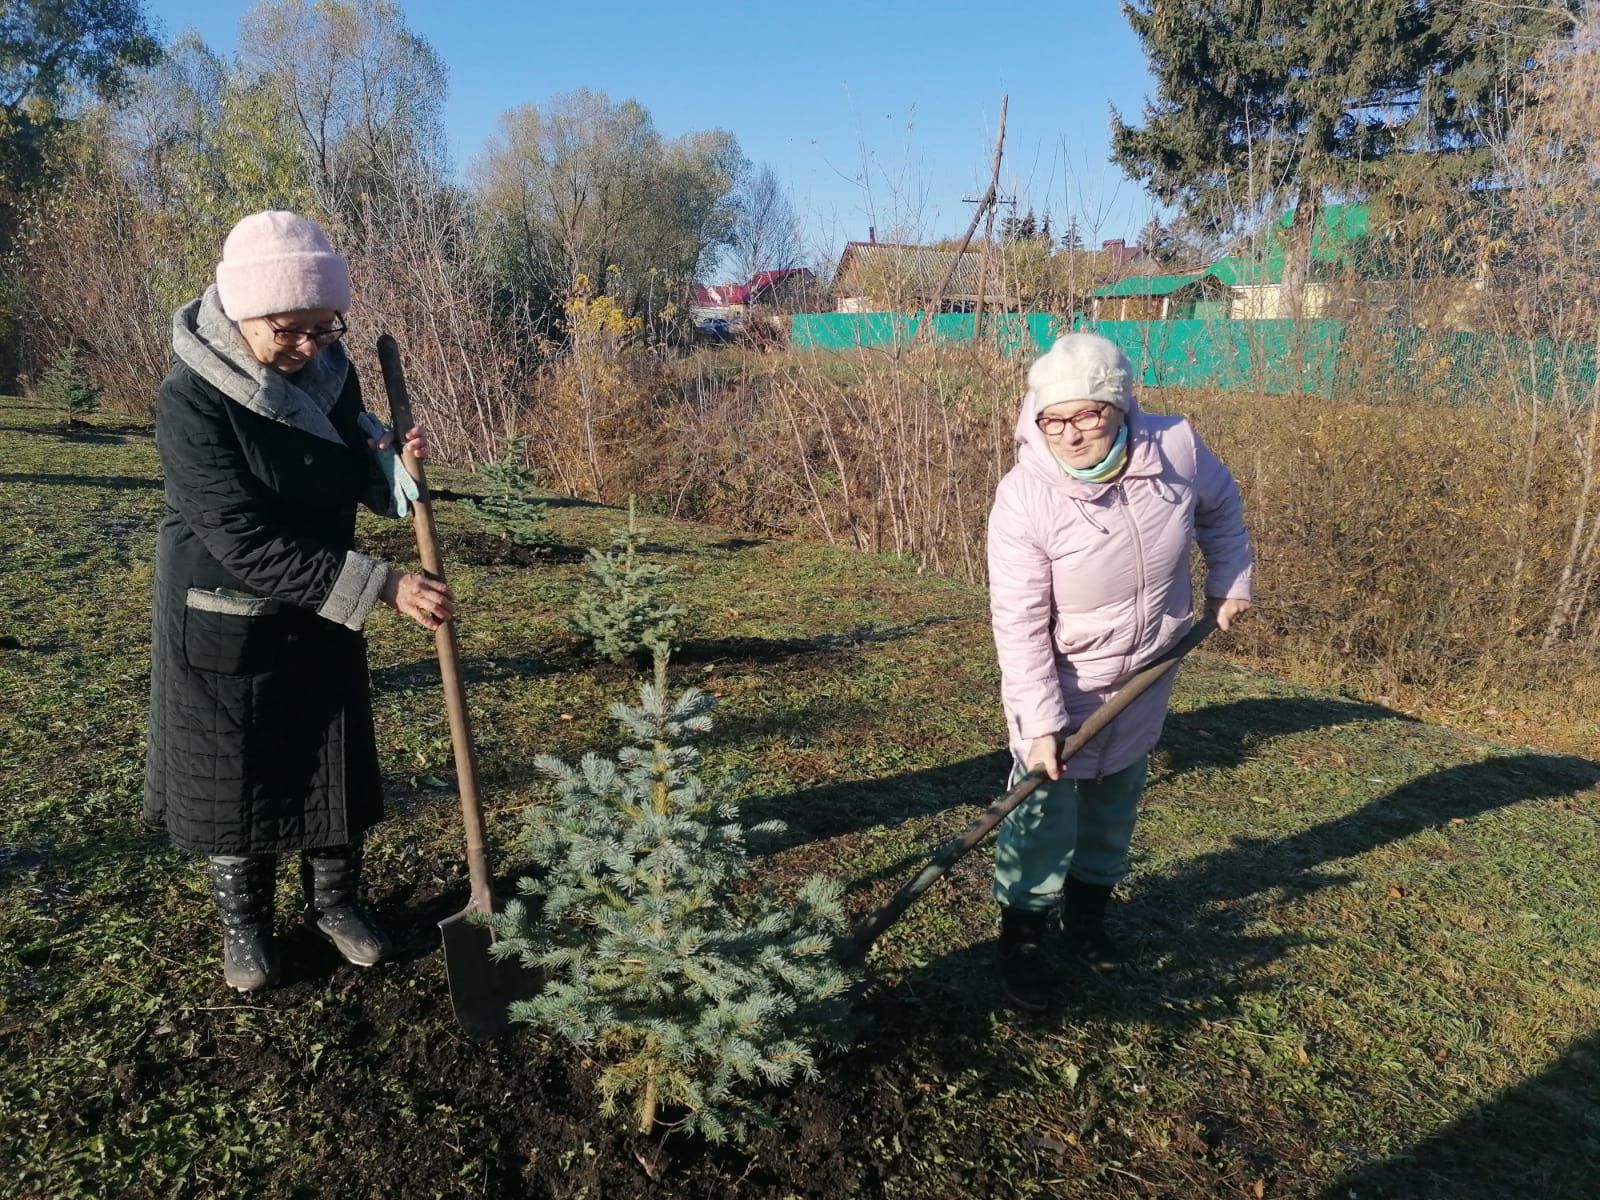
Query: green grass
1369 945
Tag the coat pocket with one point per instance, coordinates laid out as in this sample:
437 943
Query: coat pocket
230 633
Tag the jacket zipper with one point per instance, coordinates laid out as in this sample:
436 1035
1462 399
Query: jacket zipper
1138 562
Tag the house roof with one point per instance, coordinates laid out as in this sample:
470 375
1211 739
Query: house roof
1335 238
763 280
730 295
1149 285
721 295
913 271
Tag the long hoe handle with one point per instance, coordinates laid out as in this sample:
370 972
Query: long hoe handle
952 852
444 637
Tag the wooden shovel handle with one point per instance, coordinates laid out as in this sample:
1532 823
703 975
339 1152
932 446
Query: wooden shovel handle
444 637
873 925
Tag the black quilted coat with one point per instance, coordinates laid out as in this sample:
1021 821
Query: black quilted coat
261 734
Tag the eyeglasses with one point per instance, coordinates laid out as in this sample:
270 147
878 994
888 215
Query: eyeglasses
322 337
1084 418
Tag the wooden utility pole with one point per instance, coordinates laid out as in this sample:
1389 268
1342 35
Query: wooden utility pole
985 205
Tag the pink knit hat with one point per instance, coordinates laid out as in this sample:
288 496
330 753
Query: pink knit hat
277 262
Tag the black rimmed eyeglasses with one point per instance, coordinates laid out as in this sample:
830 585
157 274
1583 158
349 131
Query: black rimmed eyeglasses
1084 418
325 336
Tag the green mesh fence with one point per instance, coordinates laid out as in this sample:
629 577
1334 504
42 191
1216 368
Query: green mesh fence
1311 357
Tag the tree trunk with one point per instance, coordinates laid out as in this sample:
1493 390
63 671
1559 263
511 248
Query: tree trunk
1297 253
647 1107
1570 585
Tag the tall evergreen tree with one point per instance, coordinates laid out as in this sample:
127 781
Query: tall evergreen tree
661 962
1258 99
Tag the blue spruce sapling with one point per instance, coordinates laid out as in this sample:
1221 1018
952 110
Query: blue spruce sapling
624 615
508 509
690 989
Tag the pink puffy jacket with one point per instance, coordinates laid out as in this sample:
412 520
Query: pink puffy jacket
1088 582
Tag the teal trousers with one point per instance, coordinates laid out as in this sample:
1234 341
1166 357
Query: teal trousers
1077 827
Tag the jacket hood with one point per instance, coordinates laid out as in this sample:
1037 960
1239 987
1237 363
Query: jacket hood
1034 456
210 345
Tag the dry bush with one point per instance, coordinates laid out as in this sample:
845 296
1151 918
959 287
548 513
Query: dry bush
1398 556
886 453
593 411
104 271
414 275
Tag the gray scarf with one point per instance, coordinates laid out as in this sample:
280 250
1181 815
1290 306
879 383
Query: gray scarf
210 345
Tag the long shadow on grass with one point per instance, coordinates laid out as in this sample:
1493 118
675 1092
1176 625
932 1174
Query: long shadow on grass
840 808
1200 920
1216 737
114 482
1540 1138
765 649
1219 736
571 656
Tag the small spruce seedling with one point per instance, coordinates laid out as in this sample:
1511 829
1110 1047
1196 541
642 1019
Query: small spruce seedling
65 385
624 614
508 509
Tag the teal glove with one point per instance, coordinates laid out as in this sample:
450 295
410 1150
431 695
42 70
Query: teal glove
402 488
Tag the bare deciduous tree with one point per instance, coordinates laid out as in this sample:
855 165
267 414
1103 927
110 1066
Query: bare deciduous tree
363 91
766 233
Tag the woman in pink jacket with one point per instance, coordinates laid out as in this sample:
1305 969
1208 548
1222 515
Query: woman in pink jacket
1090 540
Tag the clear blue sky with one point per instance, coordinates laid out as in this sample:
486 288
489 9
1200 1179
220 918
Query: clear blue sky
873 113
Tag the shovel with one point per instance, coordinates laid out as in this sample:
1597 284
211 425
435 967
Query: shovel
482 986
857 945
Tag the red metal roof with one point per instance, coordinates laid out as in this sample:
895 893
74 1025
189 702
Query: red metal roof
721 295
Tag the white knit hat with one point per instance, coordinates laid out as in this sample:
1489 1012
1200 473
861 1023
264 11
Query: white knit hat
278 262
1081 366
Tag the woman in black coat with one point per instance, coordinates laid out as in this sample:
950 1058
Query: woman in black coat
261 738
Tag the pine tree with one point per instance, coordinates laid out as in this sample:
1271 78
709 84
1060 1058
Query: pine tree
625 615
659 960
65 385
508 510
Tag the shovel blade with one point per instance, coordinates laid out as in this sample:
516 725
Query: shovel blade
482 987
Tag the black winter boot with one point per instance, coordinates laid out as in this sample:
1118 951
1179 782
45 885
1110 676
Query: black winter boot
331 876
245 888
1084 923
1022 958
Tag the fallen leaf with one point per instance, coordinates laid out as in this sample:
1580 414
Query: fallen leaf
566 716
1260 1188
1396 891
